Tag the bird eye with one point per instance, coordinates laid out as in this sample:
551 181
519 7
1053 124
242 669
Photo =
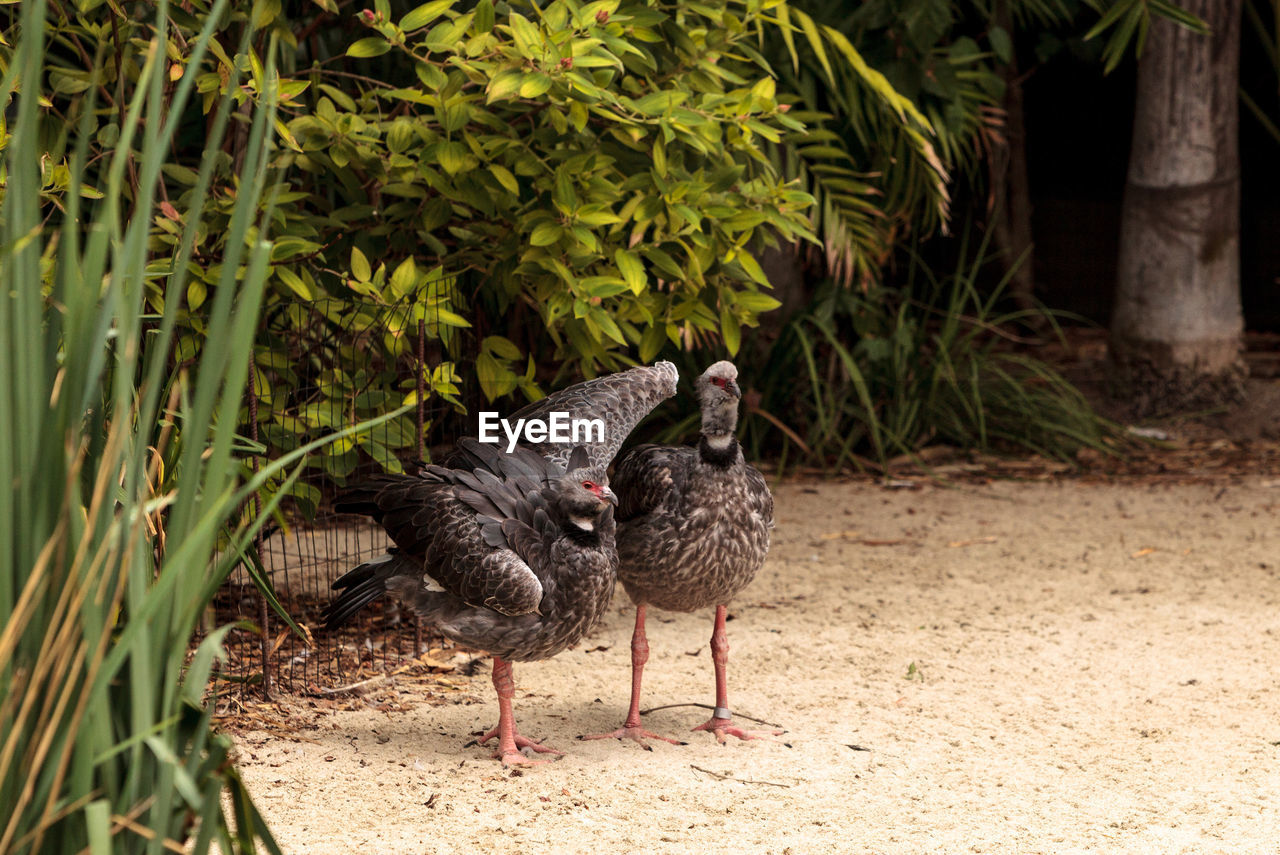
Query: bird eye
588 485
719 381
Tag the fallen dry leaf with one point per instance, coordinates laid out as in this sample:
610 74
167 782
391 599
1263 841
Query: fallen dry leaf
1143 552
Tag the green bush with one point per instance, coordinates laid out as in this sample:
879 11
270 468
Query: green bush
600 164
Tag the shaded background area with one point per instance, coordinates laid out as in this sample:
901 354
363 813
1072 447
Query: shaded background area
1077 180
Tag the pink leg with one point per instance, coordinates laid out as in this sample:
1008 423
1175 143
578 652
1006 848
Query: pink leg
509 739
631 728
721 721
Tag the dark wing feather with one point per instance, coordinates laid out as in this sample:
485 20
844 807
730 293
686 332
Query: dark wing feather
621 400
648 475
451 524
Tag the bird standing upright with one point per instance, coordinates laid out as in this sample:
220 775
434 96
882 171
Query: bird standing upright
512 553
693 529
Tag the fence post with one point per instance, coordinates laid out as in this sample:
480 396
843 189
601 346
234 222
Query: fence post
420 367
263 612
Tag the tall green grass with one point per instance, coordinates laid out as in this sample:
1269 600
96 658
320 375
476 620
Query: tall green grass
119 514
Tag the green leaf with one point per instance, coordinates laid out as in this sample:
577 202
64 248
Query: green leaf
730 330
755 302
295 283
425 14
752 267
664 262
369 47
448 318
495 380
501 347
651 343
545 233
563 194
484 16
68 82
452 157
602 286
607 325
535 85
657 103
1001 44
660 158
527 37
401 135
816 43
596 215
788 36
360 265
264 13
404 278
632 270
504 176
504 85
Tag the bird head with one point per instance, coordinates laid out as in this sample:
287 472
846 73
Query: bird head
719 383
582 499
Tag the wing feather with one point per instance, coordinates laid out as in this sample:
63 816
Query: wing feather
482 534
620 400
648 475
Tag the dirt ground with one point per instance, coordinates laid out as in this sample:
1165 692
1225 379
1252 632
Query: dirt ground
1012 667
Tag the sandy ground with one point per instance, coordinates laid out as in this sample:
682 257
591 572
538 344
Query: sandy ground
1015 667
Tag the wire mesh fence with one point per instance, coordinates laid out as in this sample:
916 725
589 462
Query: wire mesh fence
318 367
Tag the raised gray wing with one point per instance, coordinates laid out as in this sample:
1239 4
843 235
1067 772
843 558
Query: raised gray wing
619 401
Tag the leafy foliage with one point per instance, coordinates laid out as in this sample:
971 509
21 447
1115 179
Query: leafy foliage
888 371
880 171
580 183
868 153
598 163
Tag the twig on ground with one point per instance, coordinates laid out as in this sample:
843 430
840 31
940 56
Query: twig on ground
708 707
354 687
739 780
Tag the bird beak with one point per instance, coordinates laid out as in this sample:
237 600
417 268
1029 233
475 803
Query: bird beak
733 388
609 496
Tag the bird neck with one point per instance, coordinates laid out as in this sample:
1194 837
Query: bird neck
581 534
719 446
719 449
587 531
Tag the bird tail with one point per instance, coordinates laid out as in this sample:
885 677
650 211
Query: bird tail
360 586
369 497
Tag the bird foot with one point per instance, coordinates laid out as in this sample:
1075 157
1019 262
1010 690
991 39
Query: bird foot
517 752
636 733
722 726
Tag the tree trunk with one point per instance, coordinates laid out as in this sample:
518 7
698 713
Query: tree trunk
1177 327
